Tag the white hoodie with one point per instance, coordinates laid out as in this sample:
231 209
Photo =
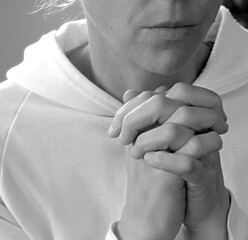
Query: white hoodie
62 177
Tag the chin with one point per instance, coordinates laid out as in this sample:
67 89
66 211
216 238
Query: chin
166 66
164 61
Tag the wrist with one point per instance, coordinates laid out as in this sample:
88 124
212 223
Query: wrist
209 232
215 227
129 229
123 232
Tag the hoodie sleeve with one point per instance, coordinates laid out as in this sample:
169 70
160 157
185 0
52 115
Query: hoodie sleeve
11 98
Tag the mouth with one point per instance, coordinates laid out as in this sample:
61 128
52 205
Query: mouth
170 31
172 24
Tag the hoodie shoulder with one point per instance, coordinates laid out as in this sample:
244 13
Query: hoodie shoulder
12 97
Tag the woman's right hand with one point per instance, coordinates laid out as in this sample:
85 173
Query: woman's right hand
152 198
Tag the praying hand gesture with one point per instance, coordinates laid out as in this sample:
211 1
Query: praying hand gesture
173 164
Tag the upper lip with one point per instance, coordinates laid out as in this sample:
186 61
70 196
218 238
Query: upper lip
171 25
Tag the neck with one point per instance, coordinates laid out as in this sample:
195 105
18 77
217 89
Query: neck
115 74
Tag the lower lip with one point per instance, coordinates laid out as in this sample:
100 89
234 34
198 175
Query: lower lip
170 33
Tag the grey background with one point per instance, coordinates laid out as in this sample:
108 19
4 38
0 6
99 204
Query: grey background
19 28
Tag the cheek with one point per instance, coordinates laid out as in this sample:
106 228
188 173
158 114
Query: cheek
96 12
113 20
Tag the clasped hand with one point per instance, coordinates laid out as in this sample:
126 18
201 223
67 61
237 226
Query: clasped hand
173 164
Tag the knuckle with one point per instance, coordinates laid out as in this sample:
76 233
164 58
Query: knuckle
217 98
216 117
127 122
159 101
219 125
217 140
195 144
187 165
183 113
172 130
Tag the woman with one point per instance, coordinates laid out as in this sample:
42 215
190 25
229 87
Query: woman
152 75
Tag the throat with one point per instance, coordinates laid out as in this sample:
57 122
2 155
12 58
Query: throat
80 58
116 76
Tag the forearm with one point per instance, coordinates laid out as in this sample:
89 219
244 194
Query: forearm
149 229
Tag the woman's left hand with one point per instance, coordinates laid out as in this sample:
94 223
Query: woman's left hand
207 198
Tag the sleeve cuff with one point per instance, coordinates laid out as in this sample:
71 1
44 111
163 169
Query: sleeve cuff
111 232
237 223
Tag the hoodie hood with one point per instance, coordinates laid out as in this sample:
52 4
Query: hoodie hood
47 71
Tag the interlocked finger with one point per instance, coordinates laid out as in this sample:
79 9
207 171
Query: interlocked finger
199 119
184 166
130 94
156 110
201 145
197 96
167 137
116 126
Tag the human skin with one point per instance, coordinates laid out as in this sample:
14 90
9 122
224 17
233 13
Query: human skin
135 57
124 53
171 124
